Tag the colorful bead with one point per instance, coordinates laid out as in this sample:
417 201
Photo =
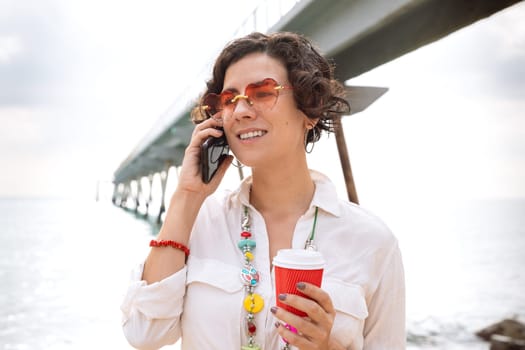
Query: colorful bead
251 328
249 275
253 303
246 243
248 255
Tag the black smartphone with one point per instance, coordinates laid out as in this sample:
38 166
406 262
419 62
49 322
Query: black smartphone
213 152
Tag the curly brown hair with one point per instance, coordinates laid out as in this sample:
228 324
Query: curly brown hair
317 94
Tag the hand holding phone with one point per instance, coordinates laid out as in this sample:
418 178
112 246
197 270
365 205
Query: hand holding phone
213 152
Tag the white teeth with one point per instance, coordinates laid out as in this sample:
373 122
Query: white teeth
252 134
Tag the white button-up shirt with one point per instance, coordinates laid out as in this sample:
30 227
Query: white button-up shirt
203 302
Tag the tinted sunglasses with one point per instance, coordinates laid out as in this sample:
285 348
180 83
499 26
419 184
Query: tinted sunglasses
261 96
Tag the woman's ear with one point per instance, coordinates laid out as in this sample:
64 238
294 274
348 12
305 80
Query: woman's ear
310 123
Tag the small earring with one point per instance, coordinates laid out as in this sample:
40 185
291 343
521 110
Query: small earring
314 138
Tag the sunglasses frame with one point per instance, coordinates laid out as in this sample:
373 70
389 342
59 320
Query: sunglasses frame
211 111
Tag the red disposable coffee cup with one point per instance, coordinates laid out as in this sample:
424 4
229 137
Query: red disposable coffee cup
293 266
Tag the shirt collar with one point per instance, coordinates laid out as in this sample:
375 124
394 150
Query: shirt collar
325 195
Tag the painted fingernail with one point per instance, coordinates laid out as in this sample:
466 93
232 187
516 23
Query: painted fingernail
291 328
273 309
301 286
282 296
277 324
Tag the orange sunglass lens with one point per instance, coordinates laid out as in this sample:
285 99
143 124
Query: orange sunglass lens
262 91
211 102
226 98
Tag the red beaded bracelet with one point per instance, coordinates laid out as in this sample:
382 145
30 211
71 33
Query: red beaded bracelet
168 243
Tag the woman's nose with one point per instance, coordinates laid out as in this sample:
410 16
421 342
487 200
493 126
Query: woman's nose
243 108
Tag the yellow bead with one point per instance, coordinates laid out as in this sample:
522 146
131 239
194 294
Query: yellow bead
253 303
249 256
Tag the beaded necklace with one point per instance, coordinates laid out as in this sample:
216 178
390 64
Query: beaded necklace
253 302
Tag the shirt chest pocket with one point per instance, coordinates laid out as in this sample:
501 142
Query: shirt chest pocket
214 293
351 312
214 273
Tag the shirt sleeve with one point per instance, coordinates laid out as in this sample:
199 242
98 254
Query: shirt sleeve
151 313
385 325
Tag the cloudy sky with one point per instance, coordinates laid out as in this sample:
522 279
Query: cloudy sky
81 82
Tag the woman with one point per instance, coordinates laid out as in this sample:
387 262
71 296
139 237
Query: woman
273 95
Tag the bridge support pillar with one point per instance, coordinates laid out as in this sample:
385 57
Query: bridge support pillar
150 195
115 193
139 193
125 194
345 161
163 180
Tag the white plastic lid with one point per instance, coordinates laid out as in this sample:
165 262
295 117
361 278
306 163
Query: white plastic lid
300 259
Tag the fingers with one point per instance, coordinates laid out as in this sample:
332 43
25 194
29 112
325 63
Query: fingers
301 328
190 178
319 295
204 130
312 331
200 133
293 337
319 308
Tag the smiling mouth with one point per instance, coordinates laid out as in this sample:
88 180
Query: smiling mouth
252 134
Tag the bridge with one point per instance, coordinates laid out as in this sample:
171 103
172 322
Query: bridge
358 35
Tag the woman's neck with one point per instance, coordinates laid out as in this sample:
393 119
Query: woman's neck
282 192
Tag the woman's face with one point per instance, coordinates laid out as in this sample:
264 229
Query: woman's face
260 135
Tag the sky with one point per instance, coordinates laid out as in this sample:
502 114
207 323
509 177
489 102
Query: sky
81 83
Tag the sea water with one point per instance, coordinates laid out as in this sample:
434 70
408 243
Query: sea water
63 267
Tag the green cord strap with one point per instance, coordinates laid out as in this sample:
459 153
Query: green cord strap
312 235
